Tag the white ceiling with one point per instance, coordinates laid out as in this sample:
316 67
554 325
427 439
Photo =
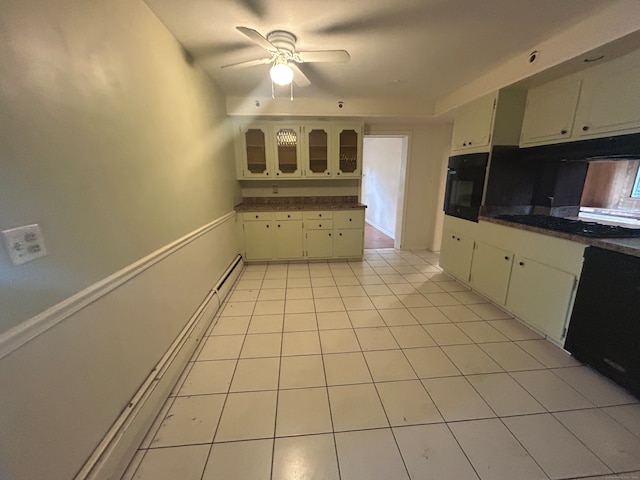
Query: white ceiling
409 50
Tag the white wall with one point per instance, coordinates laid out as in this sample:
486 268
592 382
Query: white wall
381 164
428 151
110 141
117 147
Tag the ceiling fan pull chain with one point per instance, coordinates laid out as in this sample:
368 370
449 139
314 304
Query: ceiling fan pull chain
291 85
273 91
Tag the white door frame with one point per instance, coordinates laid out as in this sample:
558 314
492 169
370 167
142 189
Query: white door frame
401 203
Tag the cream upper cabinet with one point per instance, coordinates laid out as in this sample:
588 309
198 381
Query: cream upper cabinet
610 100
601 101
473 124
290 150
494 119
347 150
254 153
550 112
317 150
287 150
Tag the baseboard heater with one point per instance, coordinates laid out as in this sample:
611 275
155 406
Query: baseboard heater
112 456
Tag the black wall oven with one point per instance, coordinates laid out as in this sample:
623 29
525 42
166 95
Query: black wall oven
465 183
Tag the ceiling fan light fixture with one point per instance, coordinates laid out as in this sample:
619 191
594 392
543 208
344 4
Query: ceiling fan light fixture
281 74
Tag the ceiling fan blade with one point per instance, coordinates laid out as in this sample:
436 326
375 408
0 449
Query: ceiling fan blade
250 63
299 78
256 37
339 56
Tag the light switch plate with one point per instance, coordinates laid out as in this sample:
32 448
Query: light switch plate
24 243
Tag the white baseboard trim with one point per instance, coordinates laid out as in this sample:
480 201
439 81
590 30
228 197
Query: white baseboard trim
112 456
383 230
26 331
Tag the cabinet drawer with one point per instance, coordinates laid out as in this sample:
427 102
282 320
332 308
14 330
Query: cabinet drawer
288 215
317 215
318 224
249 216
348 218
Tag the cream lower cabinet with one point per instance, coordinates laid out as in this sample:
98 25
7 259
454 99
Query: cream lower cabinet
318 232
456 253
303 234
348 239
541 295
531 275
258 238
288 235
491 271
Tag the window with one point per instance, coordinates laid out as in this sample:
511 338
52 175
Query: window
635 192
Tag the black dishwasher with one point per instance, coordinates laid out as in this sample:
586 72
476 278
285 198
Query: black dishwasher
604 330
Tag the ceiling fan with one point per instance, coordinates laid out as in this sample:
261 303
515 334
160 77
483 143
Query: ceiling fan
281 46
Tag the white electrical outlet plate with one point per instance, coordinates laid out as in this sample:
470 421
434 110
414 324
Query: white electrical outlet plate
24 243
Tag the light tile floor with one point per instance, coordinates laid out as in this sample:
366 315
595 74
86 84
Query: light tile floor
384 369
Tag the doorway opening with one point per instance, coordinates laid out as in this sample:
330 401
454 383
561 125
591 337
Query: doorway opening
384 161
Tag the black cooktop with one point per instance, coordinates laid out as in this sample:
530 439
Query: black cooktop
575 227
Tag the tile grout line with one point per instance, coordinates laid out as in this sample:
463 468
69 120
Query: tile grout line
275 419
226 398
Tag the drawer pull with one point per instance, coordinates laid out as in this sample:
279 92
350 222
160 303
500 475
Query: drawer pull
329 234
288 216
320 225
521 264
257 216
278 226
267 225
506 258
340 234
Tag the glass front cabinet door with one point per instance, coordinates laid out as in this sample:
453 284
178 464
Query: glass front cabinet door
317 150
255 154
287 151
348 151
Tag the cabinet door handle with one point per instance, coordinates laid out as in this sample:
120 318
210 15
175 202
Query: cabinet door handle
470 143
521 264
288 216
257 216
267 225
328 173
319 215
320 225
278 226
563 132
338 173
349 219
506 258
585 128
277 173
329 234
452 236
340 234
267 174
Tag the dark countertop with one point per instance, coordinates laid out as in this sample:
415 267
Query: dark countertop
282 204
627 246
